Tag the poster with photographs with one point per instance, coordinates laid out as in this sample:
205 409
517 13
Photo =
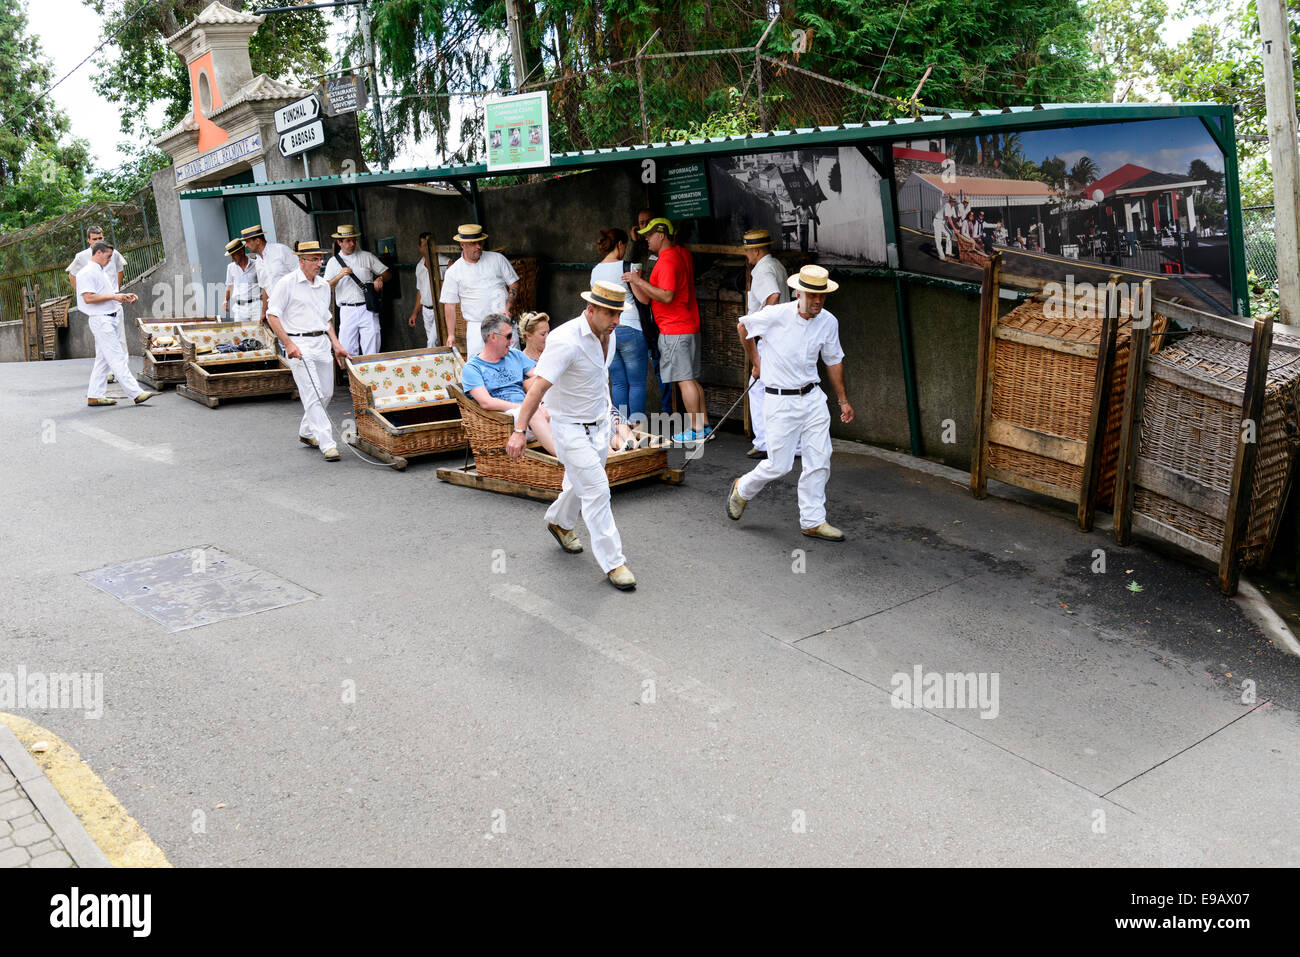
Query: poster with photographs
823 202
1145 199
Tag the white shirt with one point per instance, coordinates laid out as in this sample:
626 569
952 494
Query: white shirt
97 280
299 305
244 280
276 261
579 374
792 344
613 272
768 276
943 214
115 265
365 267
481 288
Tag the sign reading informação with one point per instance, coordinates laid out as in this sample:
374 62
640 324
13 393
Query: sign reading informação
518 132
686 190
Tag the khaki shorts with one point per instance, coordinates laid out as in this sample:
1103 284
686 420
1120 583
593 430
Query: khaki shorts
679 357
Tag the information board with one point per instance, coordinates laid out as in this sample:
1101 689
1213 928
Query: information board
685 190
518 132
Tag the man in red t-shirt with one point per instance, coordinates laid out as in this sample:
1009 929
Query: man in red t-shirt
670 291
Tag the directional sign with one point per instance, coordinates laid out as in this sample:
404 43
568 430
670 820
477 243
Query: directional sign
297 113
302 139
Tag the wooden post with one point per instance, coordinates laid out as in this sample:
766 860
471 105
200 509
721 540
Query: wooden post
1243 468
979 458
1100 408
1130 437
1279 100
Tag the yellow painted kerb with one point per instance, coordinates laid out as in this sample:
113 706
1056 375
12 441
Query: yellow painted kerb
118 835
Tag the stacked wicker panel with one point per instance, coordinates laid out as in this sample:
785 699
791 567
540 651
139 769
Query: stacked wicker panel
1196 435
1052 392
971 251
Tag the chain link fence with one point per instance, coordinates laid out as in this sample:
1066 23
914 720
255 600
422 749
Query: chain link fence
661 96
38 255
1261 243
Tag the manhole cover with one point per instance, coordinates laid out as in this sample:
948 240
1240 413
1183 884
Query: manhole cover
197 586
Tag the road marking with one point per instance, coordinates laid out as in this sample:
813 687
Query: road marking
121 838
615 649
154 453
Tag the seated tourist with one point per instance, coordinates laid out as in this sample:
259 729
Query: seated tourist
495 378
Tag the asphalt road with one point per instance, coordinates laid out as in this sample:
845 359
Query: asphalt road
738 708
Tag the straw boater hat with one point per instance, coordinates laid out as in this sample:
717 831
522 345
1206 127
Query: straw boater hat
346 232
234 246
252 232
470 233
607 295
757 237
813 279
656 225
307 247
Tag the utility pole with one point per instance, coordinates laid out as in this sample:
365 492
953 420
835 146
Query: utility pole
1279 99
381 141
516 32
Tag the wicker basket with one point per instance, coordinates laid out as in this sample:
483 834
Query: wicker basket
235 379
488 433
165 365
526 269
1191 424
56 311
1037 387
971 251
410 433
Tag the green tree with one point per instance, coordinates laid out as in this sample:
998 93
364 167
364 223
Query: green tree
42 169
1125 36
1083 172
143 72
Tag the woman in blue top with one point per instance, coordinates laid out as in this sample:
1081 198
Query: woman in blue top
627 373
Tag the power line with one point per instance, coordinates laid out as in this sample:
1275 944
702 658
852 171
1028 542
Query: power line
118 29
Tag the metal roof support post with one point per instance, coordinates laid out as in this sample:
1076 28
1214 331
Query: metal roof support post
380 140
473 198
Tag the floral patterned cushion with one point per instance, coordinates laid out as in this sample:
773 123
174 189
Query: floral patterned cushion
161 336
409 380
207 340
208 358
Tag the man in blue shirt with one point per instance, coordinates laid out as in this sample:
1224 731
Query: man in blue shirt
495 378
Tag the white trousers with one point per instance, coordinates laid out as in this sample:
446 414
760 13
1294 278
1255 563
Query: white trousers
474 341
586 489
110 356
358 330
942 241
245 311
792 419
313 374
430 325
757 421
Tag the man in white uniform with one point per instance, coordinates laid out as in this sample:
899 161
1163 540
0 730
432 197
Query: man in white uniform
479 283
117 266
573 375
298 312
243 301
346 272
425 307
796 333
767 287
942 237
101 302
272 261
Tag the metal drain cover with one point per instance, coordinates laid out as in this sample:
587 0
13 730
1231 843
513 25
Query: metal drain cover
194 587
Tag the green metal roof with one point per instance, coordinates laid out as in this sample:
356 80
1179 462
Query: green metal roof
877 131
